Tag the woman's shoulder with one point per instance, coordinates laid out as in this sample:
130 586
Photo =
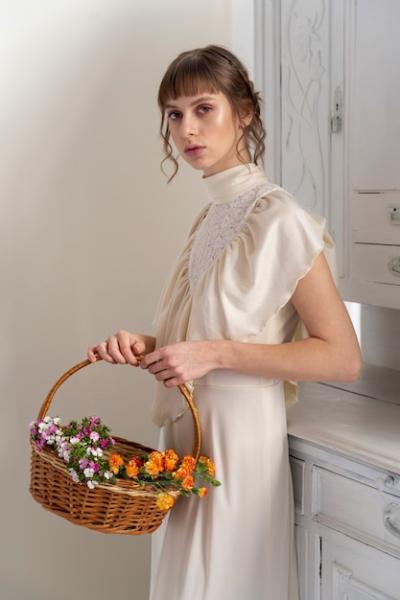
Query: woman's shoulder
279 208
278 201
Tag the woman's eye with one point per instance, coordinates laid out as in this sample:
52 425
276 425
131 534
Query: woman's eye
172 114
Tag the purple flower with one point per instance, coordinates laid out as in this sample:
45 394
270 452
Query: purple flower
83 463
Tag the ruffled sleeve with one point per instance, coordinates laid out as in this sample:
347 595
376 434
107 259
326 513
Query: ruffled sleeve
259 270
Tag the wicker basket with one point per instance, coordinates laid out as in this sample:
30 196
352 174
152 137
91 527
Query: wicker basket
126 507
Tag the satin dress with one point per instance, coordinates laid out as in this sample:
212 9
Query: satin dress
246 250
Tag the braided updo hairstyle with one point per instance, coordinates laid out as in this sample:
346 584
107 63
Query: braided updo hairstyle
212 69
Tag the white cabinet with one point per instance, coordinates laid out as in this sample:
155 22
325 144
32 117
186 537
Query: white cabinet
347 517
329 73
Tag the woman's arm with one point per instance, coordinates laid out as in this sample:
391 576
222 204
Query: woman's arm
331 352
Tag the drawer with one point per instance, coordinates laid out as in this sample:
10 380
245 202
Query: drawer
363 512
376 263
376 217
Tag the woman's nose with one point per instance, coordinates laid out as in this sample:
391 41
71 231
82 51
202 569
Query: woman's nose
189 125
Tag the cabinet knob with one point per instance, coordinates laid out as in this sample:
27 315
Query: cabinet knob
394 265
394 214
391 518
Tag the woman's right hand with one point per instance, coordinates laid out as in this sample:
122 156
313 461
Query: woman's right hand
121 348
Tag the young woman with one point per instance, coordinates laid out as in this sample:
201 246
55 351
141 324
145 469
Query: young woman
250 308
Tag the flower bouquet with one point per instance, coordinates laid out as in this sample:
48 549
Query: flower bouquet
86 450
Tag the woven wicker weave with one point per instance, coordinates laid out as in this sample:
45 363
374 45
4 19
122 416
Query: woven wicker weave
126 507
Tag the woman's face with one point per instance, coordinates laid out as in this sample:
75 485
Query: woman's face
206 120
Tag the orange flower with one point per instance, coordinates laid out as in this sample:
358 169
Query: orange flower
188 482
203 491
115 461
165 501
157 458
209 463
180 473
151 468
188 463
171 459
133 466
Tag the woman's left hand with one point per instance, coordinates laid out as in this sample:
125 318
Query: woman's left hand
177 363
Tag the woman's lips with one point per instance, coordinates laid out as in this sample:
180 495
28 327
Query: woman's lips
195 151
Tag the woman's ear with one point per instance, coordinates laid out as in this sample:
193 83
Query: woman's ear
246 118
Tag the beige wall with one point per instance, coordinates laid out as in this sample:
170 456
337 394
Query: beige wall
88 230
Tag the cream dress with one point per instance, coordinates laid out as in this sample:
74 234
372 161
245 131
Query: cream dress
246 251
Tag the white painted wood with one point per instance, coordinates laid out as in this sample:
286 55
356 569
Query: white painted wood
307 54
347 494
355 571
298 474
377 263
376 92
305 101
376 217
357 510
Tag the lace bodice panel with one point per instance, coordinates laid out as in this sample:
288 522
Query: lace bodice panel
222 222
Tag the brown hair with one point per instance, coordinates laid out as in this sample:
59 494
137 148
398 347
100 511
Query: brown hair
213 69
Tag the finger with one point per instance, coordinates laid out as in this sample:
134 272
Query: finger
91 354
114 351
150 358
173 381
102 350
126 349
139 347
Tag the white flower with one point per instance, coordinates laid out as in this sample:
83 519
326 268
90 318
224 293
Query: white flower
94 436
74 475
89 472
47 419
108 474
66 456
97 452
74 440
90 484
88 451
57 420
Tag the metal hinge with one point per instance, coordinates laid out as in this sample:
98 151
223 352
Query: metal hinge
337 116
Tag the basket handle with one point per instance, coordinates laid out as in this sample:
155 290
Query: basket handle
182 388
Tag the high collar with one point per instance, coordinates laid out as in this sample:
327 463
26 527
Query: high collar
227 185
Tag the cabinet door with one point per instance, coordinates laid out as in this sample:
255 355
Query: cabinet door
340 138
354 571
